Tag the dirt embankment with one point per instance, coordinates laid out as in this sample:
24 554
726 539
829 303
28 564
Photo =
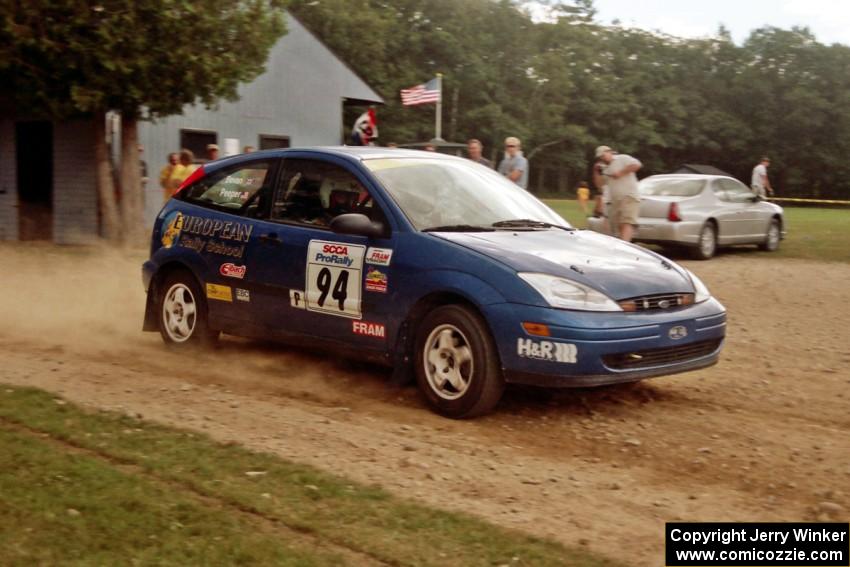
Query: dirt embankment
765 435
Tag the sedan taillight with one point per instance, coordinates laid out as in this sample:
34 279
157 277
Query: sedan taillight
673 214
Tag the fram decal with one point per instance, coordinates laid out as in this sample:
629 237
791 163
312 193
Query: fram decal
220 292
369 329
379 256
546 350
230 270
376 280
296 299
243 294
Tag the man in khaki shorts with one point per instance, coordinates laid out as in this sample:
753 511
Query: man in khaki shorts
619 174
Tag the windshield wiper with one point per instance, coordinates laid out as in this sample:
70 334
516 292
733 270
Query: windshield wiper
528 223
458 228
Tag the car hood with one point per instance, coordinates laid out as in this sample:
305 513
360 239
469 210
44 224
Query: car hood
618 269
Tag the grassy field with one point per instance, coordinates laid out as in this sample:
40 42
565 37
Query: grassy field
813 234
83 488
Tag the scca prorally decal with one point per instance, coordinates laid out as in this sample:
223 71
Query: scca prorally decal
243 294
219 292
546 350
368 329
379 256
334 278
376 280
332 254
230 270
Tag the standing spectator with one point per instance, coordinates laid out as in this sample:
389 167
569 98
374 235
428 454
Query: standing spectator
166 175
474 148
185 168
619 170
760 183
212 152
583 196
603 197
514 166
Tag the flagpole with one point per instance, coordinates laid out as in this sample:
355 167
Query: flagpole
439 125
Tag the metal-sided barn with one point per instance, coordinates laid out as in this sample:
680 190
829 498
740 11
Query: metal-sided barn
47 169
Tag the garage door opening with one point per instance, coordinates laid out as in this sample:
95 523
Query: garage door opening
34 151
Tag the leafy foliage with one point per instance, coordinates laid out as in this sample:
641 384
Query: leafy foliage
567 83
61 57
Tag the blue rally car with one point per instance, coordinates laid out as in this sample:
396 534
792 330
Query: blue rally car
431 264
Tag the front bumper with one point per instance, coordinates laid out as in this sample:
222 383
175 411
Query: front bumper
593 349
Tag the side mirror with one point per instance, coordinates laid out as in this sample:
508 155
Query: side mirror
356 224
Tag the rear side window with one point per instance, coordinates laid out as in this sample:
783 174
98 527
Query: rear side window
671 187
232 188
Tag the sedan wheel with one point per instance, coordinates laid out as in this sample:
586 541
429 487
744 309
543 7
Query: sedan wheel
707 243
771 239
183 312
457 364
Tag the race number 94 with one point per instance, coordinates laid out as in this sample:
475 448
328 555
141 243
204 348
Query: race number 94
334 278
340 289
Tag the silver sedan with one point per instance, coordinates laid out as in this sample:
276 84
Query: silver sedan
702 212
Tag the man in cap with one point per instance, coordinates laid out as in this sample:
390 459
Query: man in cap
212 152
514 166
617 171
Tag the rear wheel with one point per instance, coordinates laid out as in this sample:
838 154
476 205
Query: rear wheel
182 312
457 365
707 243
771 239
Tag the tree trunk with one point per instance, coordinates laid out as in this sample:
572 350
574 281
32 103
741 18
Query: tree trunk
109 217
131 181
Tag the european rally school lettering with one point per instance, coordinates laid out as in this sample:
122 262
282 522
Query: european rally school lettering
200 234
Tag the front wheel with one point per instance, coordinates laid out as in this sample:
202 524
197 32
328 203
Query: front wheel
182 313
771 239
457 364
707 243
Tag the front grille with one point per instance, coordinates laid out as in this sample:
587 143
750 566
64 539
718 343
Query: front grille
660 301
660 356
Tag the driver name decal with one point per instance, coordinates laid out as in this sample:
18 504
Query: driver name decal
546 350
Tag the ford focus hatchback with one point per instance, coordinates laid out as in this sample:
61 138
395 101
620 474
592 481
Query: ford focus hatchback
431 264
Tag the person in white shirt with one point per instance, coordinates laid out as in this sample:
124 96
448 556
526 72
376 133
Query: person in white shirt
618 174
760 183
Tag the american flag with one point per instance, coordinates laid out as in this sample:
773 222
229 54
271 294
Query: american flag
421 94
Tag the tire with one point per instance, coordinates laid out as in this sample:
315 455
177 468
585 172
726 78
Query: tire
182 313
457 364
707 243
772 237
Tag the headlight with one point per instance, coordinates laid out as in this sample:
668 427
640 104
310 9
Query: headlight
567 294
701 292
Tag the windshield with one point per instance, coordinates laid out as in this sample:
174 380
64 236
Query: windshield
666 187
436 193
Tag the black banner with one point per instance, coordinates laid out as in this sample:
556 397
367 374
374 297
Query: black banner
757 544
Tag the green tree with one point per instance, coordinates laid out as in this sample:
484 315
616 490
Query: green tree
145 59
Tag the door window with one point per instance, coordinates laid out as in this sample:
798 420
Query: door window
312 193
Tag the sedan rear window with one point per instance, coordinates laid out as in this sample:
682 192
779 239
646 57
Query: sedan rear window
659 187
